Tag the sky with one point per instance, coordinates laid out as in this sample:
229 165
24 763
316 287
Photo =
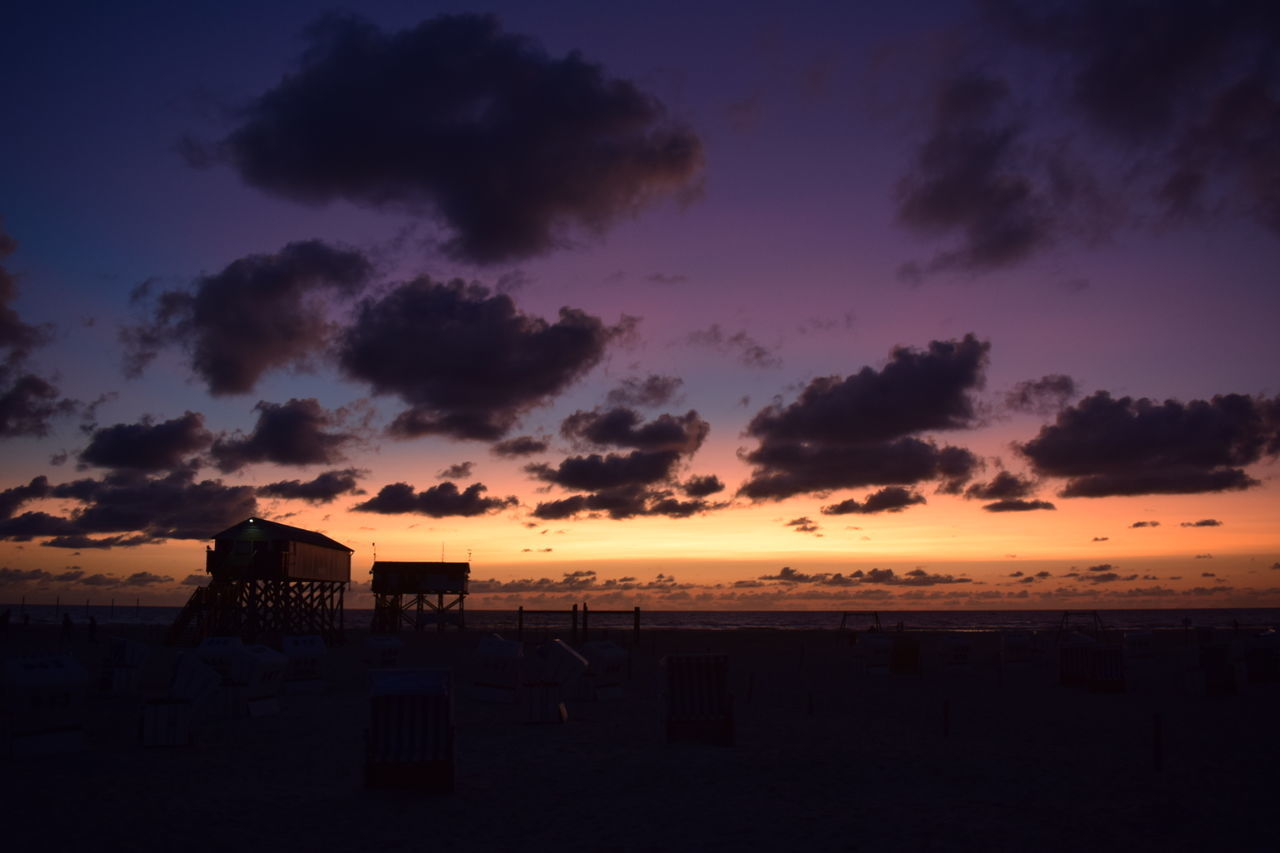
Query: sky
692 306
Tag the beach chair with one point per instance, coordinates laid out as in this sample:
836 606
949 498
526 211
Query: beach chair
1106 668
1139 644
1074 666
1017 647
305 655
904 657
607 669
697 704
555 672
194 693
410 741
957 651
122 667
874 649
253 687
219 653
44 704
496 667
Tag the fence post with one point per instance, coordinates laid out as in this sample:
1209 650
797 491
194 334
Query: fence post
573 625
584 621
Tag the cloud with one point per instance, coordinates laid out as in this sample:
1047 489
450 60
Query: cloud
1204 522
1017 505
28 403
623 485
1042 396
748 350
262 312
1204 556
291 433
11 500
888 499
860 430
78 542
325 488
1003 486
1106 446
1192 94
13 577
648 392
174 506
144 579
975 177
803 524
193 580
146 445
466 362
915 577
522 445
581 580
29 525
437 501
1145 524
505 145
457 471
1101 539
702 486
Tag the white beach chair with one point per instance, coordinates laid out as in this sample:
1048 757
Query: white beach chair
607 668
496 668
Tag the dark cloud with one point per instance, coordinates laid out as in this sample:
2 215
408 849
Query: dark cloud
437 501
466 362
1204 556
175 506
582 580
194 580
25 527
803 524
1017 505
888 499
702 486
858 430
29 404
1101 538
260 313
648 392
323 489
622 427
975 177
457 471
13 577
1145 524
746 349
147 446
291 433
623 485
144 579
1204 522
522 445
1106 446
11 500
78 542
1042 396
873 577
1003 486
1102 567
506 145
1188 86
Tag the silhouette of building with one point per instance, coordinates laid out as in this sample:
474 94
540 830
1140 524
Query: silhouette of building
268 580
415 594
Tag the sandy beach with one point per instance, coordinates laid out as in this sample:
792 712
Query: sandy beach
829 755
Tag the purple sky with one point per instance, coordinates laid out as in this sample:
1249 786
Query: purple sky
736 196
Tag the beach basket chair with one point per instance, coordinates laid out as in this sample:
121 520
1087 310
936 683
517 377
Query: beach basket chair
1106 669
1074 664
382 651
1017 647
875 649
696 699
607 669
44 704
496 667
306 655
410 739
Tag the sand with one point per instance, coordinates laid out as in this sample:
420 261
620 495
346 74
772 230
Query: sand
828 756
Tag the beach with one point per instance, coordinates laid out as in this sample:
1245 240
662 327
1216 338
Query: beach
829 754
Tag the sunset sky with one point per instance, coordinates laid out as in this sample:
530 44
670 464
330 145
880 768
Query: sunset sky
927 305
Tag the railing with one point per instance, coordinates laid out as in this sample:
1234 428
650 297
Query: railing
572 613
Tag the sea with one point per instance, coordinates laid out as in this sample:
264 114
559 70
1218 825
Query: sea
731 620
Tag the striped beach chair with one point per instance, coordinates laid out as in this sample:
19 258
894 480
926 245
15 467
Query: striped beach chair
696 698
409 742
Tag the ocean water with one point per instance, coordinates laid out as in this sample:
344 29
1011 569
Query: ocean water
728 620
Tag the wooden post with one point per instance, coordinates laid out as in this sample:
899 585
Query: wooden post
520 622
584 621
573 625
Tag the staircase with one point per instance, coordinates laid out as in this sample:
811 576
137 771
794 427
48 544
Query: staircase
190 622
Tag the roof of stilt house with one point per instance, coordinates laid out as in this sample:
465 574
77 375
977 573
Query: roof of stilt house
268 531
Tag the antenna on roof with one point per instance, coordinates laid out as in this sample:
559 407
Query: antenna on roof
375 551
468 555
442 552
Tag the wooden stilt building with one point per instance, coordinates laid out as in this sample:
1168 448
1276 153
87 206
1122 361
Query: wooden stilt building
268 580
416 594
